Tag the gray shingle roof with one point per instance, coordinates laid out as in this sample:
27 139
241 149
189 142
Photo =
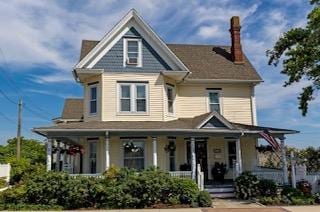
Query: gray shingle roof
73 109
204 61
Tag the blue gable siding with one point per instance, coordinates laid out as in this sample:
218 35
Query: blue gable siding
113 60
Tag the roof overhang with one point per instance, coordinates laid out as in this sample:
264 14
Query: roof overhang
176 75
81 74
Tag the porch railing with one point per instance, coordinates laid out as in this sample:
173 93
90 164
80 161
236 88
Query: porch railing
98 175
180 174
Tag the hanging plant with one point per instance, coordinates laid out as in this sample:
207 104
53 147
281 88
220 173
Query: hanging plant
131 147
170 147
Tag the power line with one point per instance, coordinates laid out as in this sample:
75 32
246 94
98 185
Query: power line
7 97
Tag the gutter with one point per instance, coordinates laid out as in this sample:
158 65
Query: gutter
222 81
161 130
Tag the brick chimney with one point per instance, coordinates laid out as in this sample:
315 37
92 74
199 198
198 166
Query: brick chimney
236 50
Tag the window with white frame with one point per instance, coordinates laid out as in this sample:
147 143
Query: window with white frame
214 100
132 52
134 154
170 99
93 100
133 97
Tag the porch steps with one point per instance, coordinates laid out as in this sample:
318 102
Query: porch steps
226 191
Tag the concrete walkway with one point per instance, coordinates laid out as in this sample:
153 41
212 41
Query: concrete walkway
310 208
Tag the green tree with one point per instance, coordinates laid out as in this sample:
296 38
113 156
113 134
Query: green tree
300 48
31 150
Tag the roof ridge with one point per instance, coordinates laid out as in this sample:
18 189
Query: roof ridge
194 44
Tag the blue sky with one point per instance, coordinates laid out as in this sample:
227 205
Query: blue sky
40 43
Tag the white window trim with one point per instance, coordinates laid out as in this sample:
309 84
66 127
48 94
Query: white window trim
167 100
219 92
125 52
133 94
89 97
144 152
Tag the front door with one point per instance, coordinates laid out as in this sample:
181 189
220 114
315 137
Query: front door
201 155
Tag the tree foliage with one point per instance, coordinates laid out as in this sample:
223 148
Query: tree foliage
300 50
31 150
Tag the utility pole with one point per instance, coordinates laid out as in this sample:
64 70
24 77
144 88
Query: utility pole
19 128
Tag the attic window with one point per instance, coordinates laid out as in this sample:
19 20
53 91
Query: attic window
132 52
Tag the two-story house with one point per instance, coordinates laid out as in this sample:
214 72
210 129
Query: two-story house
148 103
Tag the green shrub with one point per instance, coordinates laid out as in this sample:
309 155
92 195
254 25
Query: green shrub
14 195
186 189
302 200
119 188
267 187
290 192
22 169
247 186
3 182
269 200
204 199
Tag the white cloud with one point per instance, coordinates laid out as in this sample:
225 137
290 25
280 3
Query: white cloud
52 78
210 32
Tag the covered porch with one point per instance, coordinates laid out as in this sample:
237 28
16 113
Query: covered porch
91 148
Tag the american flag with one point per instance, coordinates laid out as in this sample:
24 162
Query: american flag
271 140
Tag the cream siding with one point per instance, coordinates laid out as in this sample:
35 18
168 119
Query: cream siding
192 100
110 101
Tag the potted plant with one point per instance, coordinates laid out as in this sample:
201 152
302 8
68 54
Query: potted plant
218 171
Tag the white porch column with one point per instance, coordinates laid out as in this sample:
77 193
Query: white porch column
107 149
193 157
284 161
154 152
49 154
238 155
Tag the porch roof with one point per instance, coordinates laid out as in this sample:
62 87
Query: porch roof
206 123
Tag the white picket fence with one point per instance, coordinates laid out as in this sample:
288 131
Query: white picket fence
270 174
313 179
5 171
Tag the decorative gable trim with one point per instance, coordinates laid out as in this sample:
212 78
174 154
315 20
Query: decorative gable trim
132 19
219 117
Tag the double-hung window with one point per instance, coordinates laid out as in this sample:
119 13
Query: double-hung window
93 100
132 52
133 154
214 100
170 98
133 97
